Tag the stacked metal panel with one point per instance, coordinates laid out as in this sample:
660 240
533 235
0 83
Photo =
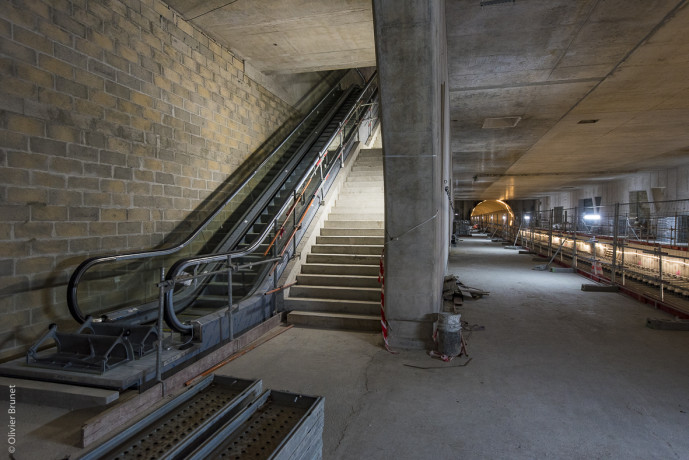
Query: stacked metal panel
223 417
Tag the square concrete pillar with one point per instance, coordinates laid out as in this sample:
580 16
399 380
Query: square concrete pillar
412 69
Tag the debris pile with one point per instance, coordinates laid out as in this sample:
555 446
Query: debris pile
454 291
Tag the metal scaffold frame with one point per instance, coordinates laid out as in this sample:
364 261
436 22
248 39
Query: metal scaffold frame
641 247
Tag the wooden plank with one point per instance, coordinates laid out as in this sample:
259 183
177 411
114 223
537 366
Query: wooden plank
113 418
60 395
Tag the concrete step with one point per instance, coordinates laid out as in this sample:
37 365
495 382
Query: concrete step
373 249
366 172
373 186
363 153
354 224
372 171
361 193
352 307
306 279
341 231
367 178
340 216
341 269
370 162
365 192
335 292
359 202
351 208
361 206
335 320
349 259
379 240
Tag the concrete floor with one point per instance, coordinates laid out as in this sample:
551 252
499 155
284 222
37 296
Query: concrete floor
557 373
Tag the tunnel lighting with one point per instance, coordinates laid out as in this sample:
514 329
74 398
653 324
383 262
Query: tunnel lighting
592 217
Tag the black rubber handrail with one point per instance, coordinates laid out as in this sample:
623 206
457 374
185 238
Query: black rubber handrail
179 266
72 286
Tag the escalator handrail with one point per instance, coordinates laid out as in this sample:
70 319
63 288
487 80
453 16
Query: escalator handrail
73 284
179 266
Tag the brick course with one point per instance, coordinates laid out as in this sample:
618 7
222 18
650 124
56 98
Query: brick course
117 119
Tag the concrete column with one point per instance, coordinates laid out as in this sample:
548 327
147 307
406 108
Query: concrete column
412 68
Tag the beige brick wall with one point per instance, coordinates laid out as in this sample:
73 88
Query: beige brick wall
117 119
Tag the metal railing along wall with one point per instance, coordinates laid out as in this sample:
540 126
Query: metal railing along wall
613 243
279 235
125 283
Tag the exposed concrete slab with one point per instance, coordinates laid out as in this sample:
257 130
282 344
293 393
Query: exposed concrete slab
555 371
599 288
668 324
562 270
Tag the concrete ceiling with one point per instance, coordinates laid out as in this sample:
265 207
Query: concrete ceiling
524 79
288 36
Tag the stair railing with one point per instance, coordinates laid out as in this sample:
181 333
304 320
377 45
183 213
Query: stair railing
180 272
88 264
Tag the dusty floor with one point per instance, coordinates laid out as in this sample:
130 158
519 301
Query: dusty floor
557 373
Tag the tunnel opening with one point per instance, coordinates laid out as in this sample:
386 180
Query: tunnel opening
491 213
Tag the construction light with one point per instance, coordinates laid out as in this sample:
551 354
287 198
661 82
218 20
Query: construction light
527 218
591 216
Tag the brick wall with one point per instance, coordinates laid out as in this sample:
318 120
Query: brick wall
117 118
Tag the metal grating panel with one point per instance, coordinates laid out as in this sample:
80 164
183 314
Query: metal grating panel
179 425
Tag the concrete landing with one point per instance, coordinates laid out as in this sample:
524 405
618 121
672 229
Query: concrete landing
557 373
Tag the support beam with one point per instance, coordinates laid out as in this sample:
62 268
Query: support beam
412 68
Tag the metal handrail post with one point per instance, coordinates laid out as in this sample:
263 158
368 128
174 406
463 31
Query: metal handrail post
275 278
660 273
161 308
294 224
550 233
564 233
574 239
229 296
615 232
623 272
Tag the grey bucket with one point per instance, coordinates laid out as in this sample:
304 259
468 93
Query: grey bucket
449 334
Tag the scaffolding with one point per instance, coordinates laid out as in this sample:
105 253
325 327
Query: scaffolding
643 245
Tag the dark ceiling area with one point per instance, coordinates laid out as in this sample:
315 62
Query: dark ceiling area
544 96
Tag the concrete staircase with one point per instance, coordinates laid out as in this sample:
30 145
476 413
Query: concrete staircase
338 285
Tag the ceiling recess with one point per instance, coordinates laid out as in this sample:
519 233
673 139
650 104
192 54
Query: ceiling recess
501 123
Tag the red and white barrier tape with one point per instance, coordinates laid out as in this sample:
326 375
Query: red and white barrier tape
383 321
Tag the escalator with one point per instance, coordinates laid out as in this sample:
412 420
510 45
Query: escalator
212 292
212 284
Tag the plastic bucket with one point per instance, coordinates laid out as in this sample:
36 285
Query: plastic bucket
449 334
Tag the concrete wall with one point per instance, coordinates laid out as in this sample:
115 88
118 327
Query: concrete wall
659 185
117 118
